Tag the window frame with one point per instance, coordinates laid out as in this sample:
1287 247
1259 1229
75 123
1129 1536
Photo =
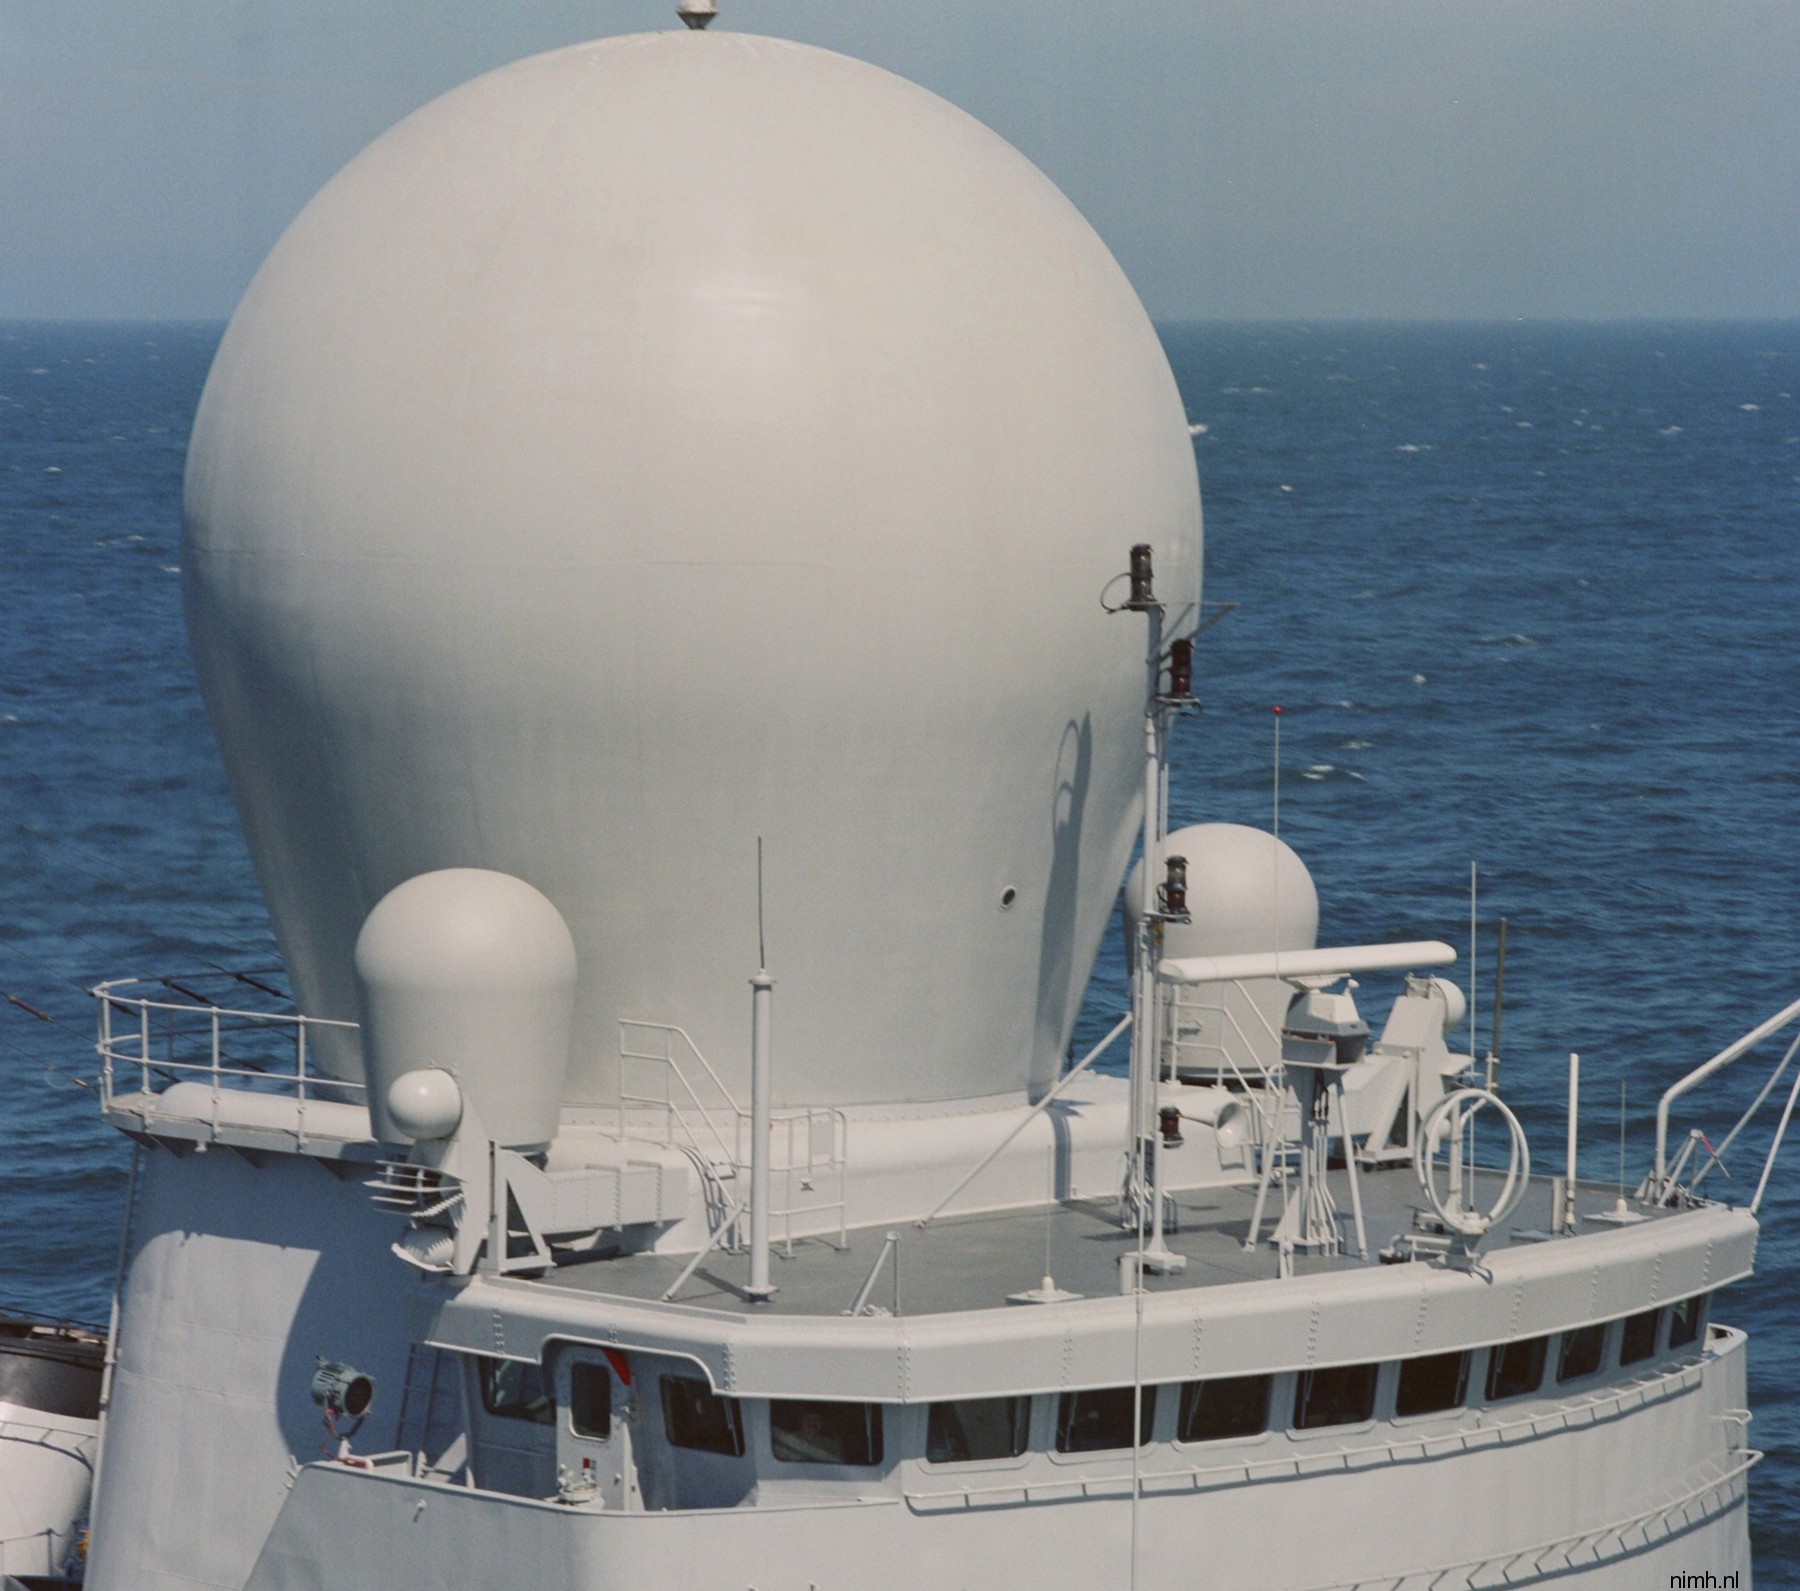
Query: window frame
1495 1351
1011 1460
1147 1404
489 1367
1465 1375
1303 1384
1655 1316
874 1425
1689 1314
1195 1390
581 1370
732 1409
1594 1329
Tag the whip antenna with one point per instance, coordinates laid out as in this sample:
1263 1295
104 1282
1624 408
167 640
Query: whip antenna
1278 773
1474 966
762 949
1493 1054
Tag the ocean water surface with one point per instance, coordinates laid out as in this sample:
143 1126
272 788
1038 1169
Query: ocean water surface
1526 595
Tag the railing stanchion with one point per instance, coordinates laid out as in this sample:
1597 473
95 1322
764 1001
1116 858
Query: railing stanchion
216 1080
300 1080
1659 1177
1787 1112
194 1022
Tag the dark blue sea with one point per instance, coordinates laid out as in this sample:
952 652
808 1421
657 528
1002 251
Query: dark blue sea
1528 596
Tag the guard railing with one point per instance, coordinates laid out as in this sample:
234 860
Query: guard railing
1664 1186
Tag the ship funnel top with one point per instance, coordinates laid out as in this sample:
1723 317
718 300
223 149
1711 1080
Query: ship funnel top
472 973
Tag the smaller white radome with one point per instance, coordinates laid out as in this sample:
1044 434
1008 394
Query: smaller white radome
1247 891
425 1105
469 975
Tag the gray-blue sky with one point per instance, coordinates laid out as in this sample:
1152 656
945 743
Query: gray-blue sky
1244 158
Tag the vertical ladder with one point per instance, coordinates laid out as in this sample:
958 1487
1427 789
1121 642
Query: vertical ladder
430 1422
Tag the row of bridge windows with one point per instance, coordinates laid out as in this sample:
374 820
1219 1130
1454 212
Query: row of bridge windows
1241 1406
973 1430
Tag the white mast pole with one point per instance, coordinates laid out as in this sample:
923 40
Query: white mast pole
1150 1065
1144 1178
1143 1026
1565 1217
761 999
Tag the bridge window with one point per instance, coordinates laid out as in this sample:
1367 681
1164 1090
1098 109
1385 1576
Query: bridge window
806 1431
590 1399
1092 1422
513 1390
1581 1353
1337 1395
1684 1320
696 1417
1516 1368
1212 1411
1637 1341
1432 1383
973 1429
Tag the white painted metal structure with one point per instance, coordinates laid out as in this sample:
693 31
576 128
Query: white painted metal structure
50 1374
1247 892
577 499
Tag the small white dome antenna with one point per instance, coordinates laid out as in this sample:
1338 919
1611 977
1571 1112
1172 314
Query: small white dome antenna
696 13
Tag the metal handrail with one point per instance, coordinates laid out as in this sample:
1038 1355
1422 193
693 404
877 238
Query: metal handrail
1661 1186
207 1026
797 1170
1267 1090
1188 998
800 1126
671 1068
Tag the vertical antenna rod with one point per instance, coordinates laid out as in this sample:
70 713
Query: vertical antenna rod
1474 966
1493 1054
1278 773
1621 1143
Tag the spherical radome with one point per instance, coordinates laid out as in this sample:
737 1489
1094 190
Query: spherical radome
669 442
1247 890
424 1104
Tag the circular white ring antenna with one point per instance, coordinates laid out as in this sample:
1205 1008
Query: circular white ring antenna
1455 1111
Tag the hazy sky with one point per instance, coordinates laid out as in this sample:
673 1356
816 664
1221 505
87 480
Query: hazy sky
1244 158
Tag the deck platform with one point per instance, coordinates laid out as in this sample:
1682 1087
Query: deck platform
969 1262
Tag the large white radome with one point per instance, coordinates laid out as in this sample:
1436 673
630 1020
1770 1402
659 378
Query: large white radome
674 440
